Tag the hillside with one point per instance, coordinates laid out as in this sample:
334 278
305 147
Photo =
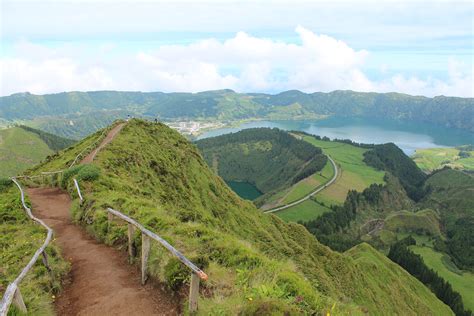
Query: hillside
270 159
22 147
430 159
256 263
99 108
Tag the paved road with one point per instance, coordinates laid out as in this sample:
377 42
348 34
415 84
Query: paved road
319 189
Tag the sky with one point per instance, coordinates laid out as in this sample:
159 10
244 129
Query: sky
414 47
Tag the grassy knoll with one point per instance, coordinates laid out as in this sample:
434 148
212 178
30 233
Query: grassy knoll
436 158
19 239
354 173
462 282
306 211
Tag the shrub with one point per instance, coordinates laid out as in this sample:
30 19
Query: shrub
5 183
69 174
88 173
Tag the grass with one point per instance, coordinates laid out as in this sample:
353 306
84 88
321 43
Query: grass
20 150
436 158
461 282
426 221
308 185
354 173
387 277
19 239
257 263
305 211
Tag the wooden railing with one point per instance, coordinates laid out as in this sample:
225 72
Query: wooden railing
196 273
13 294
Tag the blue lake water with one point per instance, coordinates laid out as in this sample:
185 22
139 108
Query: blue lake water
409 136
244 189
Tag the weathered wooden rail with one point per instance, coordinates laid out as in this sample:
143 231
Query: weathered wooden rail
147 235
13 294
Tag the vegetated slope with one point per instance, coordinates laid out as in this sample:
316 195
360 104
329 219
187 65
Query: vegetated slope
390 158
20 237
229 105
257 264
430 159
271 159
22 147
451 193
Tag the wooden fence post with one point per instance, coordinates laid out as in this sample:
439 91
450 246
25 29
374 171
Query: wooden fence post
46 264
193 292
110 218
130 232
145 254
18 301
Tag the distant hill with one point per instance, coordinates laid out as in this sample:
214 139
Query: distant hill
22 147
270 159
40 110
257 264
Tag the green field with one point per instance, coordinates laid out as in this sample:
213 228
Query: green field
462 282
308 185
19 150
305 211
435 158
354 173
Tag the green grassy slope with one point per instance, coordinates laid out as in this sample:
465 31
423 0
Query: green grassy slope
389 281
462 282
23 147
355 174
257 264
19 239
436 158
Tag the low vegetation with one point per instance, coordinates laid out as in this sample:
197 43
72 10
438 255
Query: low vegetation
19 239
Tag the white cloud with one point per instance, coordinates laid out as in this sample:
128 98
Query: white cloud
244 63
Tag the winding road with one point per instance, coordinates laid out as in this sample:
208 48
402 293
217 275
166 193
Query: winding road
318 189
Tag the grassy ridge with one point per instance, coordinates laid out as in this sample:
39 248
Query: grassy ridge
19 239
257 264
462 282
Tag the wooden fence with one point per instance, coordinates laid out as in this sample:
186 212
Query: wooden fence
147 235
13 294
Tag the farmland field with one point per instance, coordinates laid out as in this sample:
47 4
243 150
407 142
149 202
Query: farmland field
435 158
354 173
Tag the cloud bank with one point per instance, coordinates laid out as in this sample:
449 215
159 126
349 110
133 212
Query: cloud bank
243 62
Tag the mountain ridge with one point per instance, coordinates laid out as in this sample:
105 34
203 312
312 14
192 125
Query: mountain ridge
229 105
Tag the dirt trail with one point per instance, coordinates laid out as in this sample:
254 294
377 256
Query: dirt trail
110 136
101 282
